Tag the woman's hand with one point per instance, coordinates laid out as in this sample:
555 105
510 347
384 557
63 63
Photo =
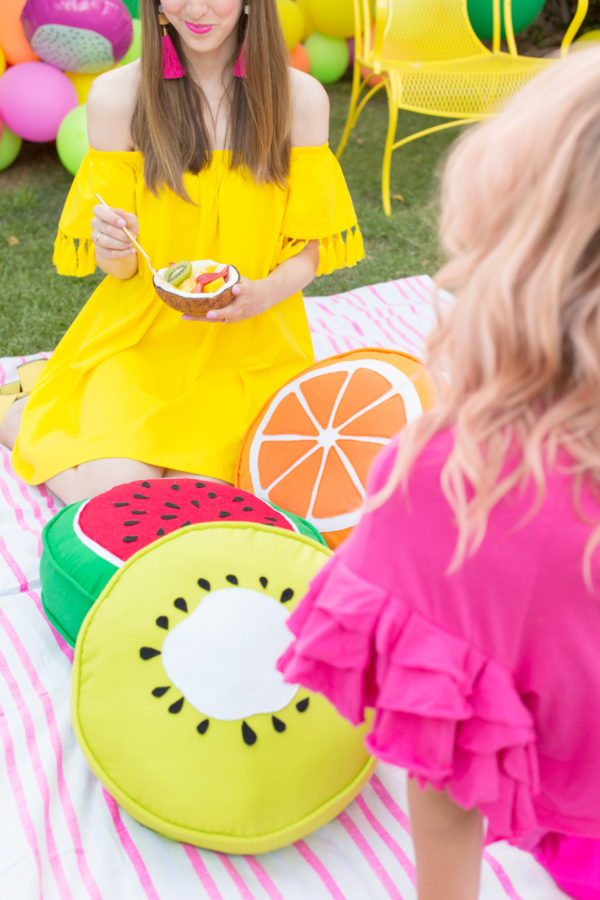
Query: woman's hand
115 254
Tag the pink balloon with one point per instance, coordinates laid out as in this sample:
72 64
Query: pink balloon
34 99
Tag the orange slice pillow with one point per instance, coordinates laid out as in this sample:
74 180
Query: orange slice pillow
310 448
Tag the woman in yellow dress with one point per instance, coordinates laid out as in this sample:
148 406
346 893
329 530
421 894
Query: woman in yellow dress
208 147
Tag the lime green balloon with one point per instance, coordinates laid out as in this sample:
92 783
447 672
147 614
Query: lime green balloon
329 56
135 47
481 16
10 145
589 36
72 138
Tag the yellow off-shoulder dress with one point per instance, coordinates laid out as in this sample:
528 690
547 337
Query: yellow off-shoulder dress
131 378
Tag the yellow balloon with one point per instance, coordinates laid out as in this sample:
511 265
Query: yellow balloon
334 17
82 82
292 22
589 36
309 25
2 62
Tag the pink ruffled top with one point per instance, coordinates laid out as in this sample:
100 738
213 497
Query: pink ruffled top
485 681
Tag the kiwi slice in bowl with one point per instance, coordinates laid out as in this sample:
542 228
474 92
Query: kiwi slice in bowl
177 704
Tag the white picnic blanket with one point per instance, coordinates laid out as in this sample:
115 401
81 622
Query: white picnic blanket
62 837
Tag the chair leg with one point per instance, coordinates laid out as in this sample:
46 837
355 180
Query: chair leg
387 152
352 112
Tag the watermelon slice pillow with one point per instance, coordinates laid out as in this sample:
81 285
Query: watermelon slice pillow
87 542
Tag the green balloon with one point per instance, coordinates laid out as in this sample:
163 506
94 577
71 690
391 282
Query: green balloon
481 16
329 56
136 44
10 145
72 139
133 6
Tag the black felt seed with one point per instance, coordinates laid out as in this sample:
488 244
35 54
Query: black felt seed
270 519
185 523
174 487
302 705
195 503
212 495
232 579
248 735
172 505
161 531
223 514
148 652
123 503
140 497
161 691
145 484
247 508
132 522
238 499
162 622
176 707
278 725
180 604
172 516
130 538
203 583
286 595
202 728
139 512
264 581
200 484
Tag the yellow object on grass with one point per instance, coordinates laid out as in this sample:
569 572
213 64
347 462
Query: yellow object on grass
131 378
177 704
428 59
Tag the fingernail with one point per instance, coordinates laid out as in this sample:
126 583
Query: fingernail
121 223
211 315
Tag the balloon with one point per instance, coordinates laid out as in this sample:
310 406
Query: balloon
292 23
2 62
328 57
136 44
12 37
82 82
480 14
34 99
10 145
332 17
589 36
72 139
299 58
309 25
134 7
86 36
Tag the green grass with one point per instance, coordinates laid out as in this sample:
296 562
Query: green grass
37 305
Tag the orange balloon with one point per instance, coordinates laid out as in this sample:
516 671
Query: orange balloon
15 45
299 58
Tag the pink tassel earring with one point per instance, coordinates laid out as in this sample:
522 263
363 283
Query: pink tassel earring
171 65
240 70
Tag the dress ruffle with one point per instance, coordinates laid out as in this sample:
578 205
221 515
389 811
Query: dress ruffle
450 716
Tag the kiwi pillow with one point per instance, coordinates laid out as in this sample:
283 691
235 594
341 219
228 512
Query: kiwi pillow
177 704
85 543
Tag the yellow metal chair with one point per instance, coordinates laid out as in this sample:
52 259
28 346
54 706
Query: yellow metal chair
430 61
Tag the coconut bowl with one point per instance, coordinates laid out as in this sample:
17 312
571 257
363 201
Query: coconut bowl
196 304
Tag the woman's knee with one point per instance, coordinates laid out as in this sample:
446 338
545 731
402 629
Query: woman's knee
98 475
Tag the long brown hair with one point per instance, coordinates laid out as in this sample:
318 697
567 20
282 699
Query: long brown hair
168 125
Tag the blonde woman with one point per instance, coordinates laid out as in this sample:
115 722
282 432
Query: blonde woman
208 147
465 608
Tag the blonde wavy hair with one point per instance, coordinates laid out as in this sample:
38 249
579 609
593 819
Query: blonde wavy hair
520 223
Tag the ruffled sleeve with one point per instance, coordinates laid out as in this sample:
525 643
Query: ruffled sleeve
113 176
450 716
319 207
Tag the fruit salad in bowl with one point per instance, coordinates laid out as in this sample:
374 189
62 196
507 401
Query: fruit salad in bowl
195 287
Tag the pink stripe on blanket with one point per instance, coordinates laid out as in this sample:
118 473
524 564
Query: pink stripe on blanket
199 867
264 879
321 870
13 565
143 876
375 864
501 876
20 799
39 774
386 837
55 739
235 877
